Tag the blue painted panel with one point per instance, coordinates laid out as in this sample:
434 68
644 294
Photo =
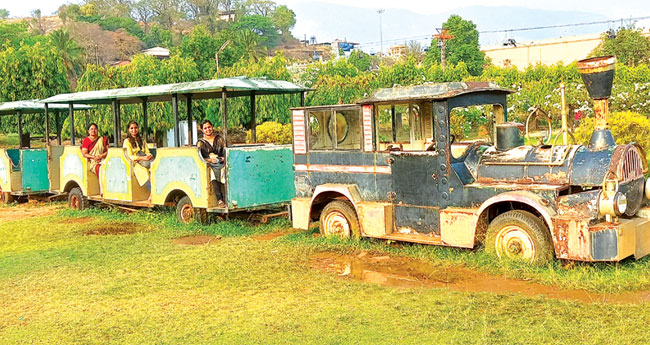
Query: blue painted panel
116 176
35 176
178 169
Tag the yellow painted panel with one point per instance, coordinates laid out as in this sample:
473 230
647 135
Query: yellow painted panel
300 213
5 170
74 167
458 227
164 182
117 176
375 218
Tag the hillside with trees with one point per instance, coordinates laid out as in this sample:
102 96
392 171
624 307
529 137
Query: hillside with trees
39 59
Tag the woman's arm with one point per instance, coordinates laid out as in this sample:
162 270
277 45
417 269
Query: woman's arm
130 152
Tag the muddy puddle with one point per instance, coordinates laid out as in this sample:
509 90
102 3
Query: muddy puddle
198 240
407 273
118 228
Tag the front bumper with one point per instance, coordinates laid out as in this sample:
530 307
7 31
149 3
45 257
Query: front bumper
617 241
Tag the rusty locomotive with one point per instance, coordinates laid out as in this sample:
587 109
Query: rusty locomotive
389 168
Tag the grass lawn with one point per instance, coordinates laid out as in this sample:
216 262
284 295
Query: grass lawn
65 278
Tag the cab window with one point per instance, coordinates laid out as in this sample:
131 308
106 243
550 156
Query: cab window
404 126
335 129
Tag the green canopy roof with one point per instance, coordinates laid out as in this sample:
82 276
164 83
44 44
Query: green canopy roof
34 106
234 87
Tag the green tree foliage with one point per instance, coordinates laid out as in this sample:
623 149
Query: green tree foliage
626 127
402 73
200 46
143 70
360 60
284 19
158 36
4 14
259 25
463 47
31 72
628 45
69 51
12 34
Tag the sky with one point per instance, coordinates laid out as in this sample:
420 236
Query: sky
622 8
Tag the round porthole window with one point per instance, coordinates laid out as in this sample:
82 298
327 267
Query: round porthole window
342 128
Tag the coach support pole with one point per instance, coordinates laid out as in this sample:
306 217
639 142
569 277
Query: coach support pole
71 112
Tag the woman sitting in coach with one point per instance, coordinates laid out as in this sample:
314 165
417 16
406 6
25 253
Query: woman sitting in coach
213 150
94 148
138 152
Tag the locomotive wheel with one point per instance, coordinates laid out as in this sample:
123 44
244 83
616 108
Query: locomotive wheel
76 199
186 212
339 219
519 236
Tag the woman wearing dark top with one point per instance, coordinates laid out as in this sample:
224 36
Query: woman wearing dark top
213 150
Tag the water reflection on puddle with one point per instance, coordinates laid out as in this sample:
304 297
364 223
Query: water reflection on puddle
408 273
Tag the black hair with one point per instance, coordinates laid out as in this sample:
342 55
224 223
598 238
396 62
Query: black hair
206 121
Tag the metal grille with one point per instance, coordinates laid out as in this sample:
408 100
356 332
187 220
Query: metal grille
632 165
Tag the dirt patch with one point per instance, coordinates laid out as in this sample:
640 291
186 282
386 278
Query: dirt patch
196 240
27 210
119 228
407 273
82 220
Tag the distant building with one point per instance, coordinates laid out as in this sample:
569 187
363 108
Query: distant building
227 16
346 47
546 52
398 51
159 52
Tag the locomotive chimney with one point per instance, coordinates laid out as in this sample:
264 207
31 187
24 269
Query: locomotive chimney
598 75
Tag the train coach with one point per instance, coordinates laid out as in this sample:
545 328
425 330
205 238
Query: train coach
257 176
24 170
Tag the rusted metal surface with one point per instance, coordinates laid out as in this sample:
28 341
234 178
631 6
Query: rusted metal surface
431 91
579 205
571 238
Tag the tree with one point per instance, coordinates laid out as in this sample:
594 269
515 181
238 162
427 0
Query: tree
251 44
284 19
142 12
4 14
360 60
261 26
200 46
29 72
463 47
166 12
414 49
628 45
203 12
70 52
38 25
260 7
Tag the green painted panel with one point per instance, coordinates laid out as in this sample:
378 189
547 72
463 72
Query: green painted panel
35 173
116 176
14 155
259 175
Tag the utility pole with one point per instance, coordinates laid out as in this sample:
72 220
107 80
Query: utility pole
443 36
381 37
216 55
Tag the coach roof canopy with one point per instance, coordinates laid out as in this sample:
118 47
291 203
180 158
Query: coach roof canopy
34 106
234 87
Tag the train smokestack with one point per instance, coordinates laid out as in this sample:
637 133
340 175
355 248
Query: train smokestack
598 76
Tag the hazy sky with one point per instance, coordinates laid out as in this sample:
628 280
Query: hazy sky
611 9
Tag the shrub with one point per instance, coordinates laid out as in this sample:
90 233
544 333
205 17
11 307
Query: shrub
272 133
627 127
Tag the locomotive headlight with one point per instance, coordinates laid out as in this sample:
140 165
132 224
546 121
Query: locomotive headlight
612 205
620 203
